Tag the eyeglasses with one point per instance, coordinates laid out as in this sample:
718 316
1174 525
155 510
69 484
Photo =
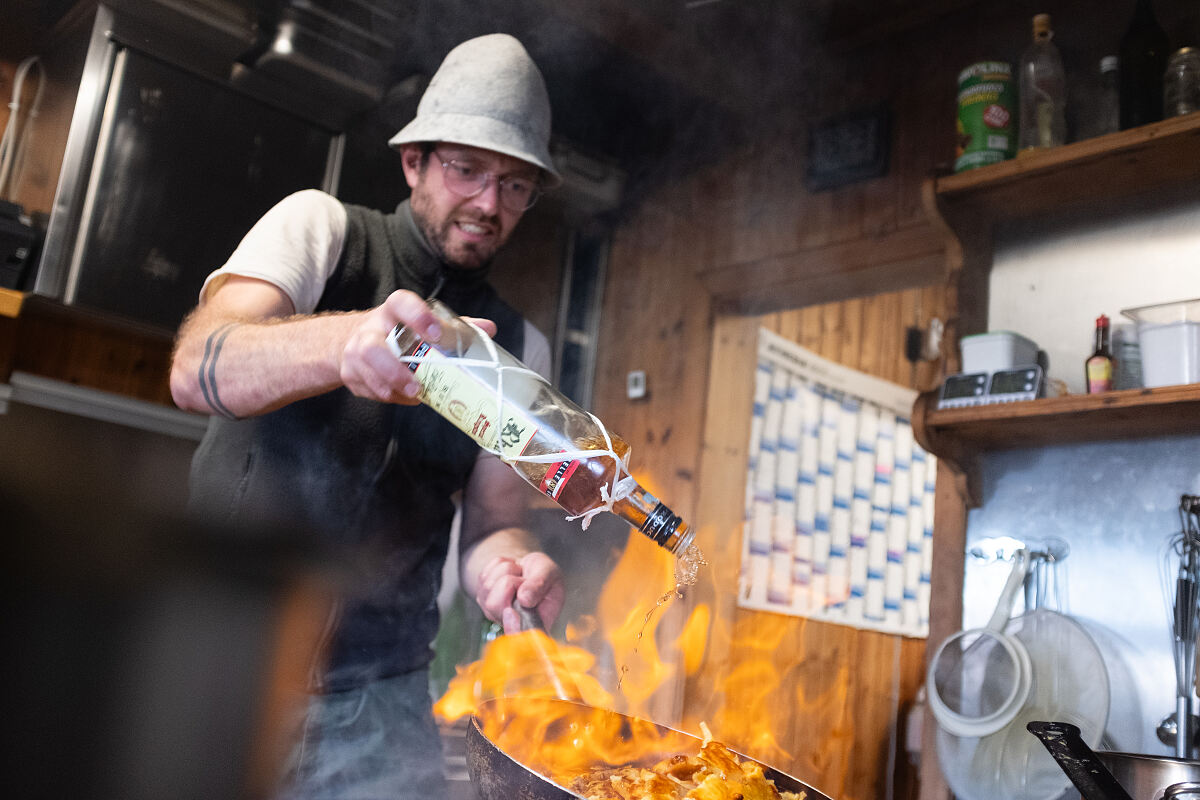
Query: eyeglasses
466 179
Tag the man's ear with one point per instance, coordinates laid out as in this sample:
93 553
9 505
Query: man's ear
410 160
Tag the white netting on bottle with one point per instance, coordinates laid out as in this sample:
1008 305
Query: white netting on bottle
623 483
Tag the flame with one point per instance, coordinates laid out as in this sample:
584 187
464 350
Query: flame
529 665
761 714
626 658
572 739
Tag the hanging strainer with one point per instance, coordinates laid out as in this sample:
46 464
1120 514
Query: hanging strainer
978 679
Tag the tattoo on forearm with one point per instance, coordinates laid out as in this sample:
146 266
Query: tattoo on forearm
208 370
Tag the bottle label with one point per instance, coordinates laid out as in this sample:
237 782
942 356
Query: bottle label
557 477
470 404
1099 375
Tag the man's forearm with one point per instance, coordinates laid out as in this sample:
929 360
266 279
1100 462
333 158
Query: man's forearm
240 368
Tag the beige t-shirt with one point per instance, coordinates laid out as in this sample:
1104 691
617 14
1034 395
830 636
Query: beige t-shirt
296 246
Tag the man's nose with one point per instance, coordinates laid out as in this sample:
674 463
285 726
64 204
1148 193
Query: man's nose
488 200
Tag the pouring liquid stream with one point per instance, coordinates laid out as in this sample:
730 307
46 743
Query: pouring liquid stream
687 568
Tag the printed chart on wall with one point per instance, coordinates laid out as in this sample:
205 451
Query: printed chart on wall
839 498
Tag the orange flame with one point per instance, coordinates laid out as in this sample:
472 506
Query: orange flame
630 657
760 714
630 611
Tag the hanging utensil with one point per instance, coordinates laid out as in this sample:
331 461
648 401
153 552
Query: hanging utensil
978 679
1185 619
1078 761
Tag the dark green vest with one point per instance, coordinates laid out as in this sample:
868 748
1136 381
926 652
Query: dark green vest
373 479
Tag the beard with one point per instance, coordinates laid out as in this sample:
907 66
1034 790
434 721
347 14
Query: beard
463 255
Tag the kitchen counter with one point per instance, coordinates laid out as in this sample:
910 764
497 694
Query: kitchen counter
46 338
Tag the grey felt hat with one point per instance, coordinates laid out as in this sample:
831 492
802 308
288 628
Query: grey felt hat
487 93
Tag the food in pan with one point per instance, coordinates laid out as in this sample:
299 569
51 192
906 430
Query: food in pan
715 773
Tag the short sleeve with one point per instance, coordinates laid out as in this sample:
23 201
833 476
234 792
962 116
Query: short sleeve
295 246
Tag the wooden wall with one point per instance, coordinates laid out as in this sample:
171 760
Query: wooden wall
847 691
844 694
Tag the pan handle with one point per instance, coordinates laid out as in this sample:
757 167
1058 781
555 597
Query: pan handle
531 620
1080 762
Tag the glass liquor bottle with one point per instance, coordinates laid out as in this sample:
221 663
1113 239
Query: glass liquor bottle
1108 100
559 448
1144 52
1043 91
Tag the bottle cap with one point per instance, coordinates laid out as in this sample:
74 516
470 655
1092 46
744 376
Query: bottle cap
1109 63
1102 321
1041 25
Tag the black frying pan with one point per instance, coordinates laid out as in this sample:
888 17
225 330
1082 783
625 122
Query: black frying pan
499 776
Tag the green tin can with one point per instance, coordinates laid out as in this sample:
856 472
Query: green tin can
987 112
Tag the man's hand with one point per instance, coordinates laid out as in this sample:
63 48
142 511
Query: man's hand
534 580
370 369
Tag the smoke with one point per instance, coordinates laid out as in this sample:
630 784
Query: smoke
661 87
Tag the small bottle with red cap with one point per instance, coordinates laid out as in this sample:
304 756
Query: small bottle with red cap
1100 365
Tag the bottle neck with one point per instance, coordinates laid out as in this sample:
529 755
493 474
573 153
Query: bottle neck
1144 22
653 518
1101 338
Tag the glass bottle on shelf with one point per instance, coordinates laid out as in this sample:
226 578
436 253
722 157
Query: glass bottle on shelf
1181 85
1108 99
1099 367
1127 351
1144 51
559 448
1042 90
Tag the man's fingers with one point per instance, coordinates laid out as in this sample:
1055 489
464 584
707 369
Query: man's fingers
541 587
486 325
498 582
408 309
534 582
511 621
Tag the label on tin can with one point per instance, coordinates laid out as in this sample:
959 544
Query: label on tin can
986 115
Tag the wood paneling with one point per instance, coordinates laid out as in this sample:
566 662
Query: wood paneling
863 265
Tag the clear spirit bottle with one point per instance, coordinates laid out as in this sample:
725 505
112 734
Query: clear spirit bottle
562 450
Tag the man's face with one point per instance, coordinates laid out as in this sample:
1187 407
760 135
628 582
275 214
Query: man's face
465 231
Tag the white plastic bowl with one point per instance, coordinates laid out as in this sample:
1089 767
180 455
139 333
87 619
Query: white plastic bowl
1169 340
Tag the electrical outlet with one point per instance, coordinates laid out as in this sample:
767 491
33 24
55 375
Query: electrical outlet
635 384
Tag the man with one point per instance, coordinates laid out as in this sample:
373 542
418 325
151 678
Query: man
315 420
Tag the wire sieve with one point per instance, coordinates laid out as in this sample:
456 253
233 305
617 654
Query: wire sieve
978 679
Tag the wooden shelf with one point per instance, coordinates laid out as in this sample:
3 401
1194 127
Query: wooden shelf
1118 168
1156 158
1132 413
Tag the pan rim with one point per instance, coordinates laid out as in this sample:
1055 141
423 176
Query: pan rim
783 780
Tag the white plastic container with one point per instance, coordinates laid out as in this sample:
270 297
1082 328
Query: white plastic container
1169 339
996 350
